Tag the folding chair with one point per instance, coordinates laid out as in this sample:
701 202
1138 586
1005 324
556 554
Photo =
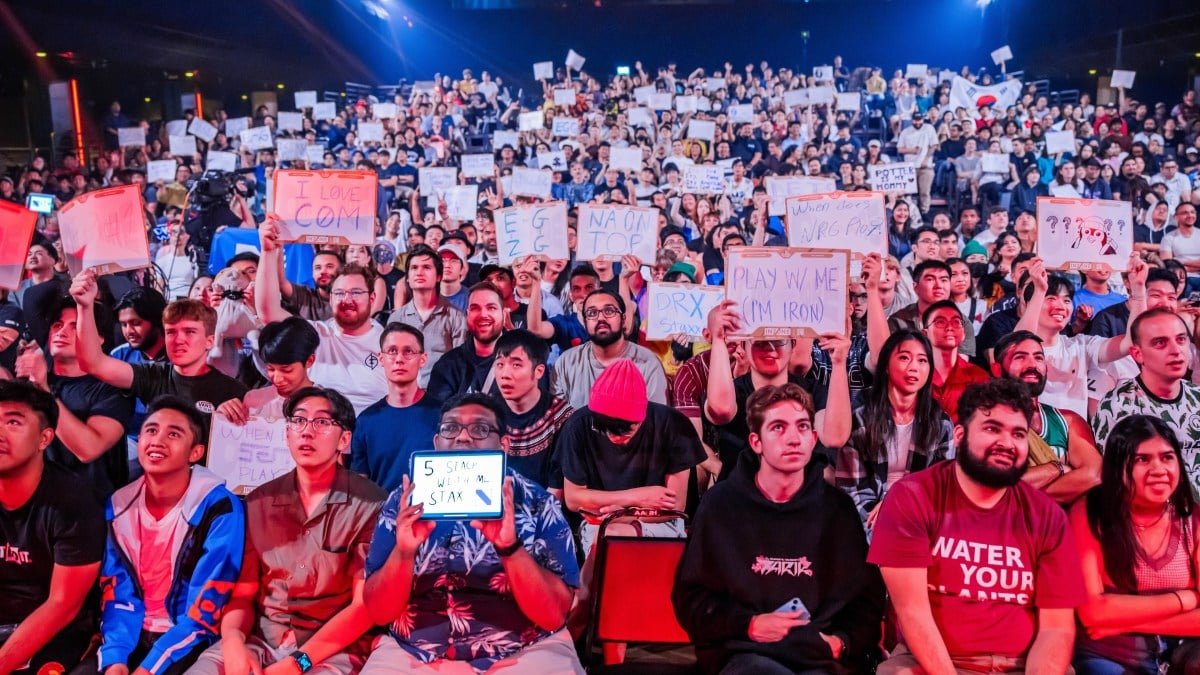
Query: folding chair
632 590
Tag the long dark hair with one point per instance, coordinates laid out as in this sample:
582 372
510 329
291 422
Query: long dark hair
1108 509
878 418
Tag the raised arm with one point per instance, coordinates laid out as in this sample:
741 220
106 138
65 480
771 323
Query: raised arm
833 423
721 404
1117 346
268 293
89 351
877 327
534 321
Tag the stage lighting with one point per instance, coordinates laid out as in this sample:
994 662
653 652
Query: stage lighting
40 55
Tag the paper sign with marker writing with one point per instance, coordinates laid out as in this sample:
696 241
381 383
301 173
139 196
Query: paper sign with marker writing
895 177
478 166
1082 234
574 61
713 84
556 160
856 221
823 73
641 117
503 138
462 201
609 232
679 309
292 149
849 102
314 155
535 229
795 98
248 455
685 104
1002 54
701 129
1060 141
432 179
203 130
704 179
182 146
661 101
370 132
531 121
105 231
1122 79
565 126
916 71
625 159
16 231
779 188
543 70
820 95
257 138
221 161
161 170
991 162
384 111
642 94
131 137
235 125
324 110
291 121
788 292
741 114
305 99
177 127
564 97
424 87
319 207
528 182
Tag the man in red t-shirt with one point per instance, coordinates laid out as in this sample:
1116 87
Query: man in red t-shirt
981 566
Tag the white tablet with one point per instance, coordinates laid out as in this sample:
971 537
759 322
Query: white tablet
459 485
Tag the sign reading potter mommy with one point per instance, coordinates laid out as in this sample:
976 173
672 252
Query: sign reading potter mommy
609 232
326 207
855 221
894 177
679 309
1083 234
788 292
532 230
249 455
105 231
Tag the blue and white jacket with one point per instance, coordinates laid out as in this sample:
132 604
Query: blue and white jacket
206 566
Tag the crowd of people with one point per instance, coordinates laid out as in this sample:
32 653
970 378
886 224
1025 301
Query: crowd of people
995 470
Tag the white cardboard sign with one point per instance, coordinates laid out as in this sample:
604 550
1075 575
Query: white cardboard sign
305 99
741 113
256 138
574 61
528 182
991 162
787 292
849 102
856 221
1082 234
131 137
292 149
625 159
203 130
564 126
1060 141
703 130
608 232
503 138
249 455
161 170
532 230
182 146
290 121
324 110
462 201
221 161
433 179
1002 54
543 70
704 179
478 166
779 188
1122 79
564 97
895 177
823 73
370 132
679 309
531 121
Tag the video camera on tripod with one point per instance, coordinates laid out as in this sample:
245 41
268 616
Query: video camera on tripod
208 208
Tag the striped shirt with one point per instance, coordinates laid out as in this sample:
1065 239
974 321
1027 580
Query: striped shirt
531 440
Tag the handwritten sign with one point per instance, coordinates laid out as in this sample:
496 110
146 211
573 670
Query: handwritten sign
679 309
314 155
370 132
823 73
543 70
855 221
306 99
895 177
1122 79
257 138
531 121
741 114
458 485
234 126
177 127
703 130
385 111
532 230
795 98
994 162
105 231
685 104
292 149
564 97
704 179
787 292
625 159
202 129
641 95
326 207
16 231
641 117
849 102
916 71
574 61
291 121
182 146
1002 54
1083 234
221 161
249 455
431 179
609 232
1060 141
462 201
324 110
161 170
565 126
779 188
714 84
478 166
131 137
820 95
528 182
661 101
555 159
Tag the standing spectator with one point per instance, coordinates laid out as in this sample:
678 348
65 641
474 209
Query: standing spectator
443 325
918 144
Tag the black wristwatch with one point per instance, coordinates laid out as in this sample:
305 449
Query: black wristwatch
302 660
509 550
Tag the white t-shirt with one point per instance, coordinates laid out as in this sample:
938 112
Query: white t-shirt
178 271
264 402
923 139
1068 362
349 364
1185 249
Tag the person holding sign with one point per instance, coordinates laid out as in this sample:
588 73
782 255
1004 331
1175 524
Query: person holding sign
518 571
175 546
298 601
287 349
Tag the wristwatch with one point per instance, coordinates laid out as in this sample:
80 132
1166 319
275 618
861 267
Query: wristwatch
510 549
302 660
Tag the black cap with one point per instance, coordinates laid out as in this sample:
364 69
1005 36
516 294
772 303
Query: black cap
668 231
244 256
490 269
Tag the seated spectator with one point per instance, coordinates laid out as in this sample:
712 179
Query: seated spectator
175 546
1136 534
981 567
287 349
746 560
443 324
471 365
952 373
298 601
53 541
514 576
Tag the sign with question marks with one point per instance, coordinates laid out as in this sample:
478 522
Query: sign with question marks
1084 234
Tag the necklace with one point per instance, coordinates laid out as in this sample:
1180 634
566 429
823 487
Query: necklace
1142 528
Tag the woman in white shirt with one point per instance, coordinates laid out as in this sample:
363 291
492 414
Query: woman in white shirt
1066 181
177 267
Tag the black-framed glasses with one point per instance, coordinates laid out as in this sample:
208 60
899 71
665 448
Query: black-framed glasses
476 430
297 423
356 294
607 312
765 345
855 297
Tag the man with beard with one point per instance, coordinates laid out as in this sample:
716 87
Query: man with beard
1162 349
347 357
1062 450
577 369
309 303
981 566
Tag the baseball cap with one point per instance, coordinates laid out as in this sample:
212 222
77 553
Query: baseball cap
490 269
448 248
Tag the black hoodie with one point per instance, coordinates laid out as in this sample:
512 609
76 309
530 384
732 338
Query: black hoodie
747 555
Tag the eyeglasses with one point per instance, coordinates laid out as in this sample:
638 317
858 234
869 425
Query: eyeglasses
767 345
476 430
855 297
402 354
297 423
608 312
927 241
356 294
944 324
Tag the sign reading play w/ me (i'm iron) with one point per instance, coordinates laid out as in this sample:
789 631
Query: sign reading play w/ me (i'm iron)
787 292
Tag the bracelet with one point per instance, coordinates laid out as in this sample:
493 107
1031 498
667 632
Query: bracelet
1180 599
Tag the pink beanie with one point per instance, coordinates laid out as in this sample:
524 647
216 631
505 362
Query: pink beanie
620 392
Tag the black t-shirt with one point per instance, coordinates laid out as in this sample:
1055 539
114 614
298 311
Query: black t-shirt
666 443
56 526
88 397
11 317
206 392
733 438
